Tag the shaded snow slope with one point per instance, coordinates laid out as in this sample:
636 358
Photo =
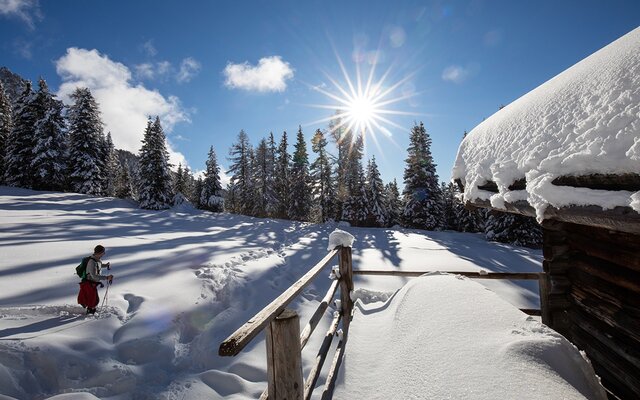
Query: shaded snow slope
183 282
446 337
586 120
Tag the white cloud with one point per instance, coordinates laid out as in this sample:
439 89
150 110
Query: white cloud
26 10
125 107
455 73
150 70
149 48
270 75
188 69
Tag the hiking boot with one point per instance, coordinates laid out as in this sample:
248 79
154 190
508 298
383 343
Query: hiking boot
91 310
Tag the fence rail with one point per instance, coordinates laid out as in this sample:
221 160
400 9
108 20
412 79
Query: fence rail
284 357
284 341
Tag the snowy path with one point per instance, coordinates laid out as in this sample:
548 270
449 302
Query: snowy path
184 280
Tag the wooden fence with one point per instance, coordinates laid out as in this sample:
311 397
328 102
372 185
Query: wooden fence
284 341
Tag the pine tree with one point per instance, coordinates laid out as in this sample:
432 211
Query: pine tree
448 206
241 181
282 182
271 191
50 151
21 141
354 207
211 189
6 125
155 179
300 205
514 229
322 184
197 192
123 186
263 178
377 208
85 143
468 220
422 195
394 203
344 141
109 167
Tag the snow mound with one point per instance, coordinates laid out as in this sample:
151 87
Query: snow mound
586 120
447 337
340 238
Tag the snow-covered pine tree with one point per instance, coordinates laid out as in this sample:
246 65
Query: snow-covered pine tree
300 204
377 208
178 186
514 229
49 164
270 189
263 171
282 170
468 220
197 192
422 195
322 182
85 143
343 139
354 209
155 179
109 167
123 186
211 189
394 203
241 184
6 124
189 182
21 141
448 206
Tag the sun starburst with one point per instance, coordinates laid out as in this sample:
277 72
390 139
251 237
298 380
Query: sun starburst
363 108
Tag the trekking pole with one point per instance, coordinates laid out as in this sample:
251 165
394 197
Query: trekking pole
106 294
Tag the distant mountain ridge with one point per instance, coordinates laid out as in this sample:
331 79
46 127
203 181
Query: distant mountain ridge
13 83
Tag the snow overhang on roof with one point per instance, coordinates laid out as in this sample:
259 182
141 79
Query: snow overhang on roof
571 143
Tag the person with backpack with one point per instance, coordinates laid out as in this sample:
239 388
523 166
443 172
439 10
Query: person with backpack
89 271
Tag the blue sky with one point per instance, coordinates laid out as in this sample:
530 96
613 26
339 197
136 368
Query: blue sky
211 68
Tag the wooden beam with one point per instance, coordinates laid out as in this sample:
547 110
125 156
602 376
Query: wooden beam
474 275
622 219
241 337
322 307
346 286
312 379
284 361
330 383
543 288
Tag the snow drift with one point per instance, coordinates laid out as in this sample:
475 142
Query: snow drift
445 337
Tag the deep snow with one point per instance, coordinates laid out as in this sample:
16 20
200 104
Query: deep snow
585 120
184 280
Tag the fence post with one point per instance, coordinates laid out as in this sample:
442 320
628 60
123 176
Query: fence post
544 285
284 361
346 286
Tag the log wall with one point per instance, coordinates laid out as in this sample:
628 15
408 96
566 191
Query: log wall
594 299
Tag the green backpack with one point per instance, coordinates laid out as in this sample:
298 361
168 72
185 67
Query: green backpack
81 269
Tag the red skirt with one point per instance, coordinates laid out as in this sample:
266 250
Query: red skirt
88 296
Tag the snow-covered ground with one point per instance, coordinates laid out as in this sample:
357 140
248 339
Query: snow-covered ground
184 280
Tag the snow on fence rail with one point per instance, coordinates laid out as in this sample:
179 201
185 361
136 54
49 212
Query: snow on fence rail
284 341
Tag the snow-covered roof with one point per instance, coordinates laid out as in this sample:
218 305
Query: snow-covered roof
446 337
584 121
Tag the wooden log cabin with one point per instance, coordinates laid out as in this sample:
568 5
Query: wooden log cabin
568 153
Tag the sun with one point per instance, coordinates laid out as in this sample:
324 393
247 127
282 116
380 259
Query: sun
361 106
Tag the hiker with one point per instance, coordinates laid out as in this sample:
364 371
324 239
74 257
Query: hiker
88 296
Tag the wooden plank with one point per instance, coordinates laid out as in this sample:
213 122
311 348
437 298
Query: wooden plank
317 316
284 361
346 286
312 379
475 275
622 219
599 244
241 337
543 290
615 182
330 383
